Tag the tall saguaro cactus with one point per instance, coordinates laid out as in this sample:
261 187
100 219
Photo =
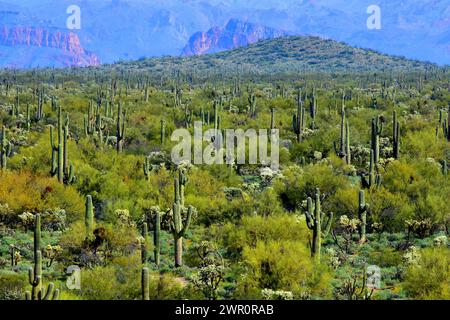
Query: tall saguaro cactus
60 162
156 235
314 218
298 120
163 132
362 216
120 128
5 149
395 135
144 242
272 118
313 109
377 129
252 104
448 123
35 273
89 218
344 143
178 227
145 284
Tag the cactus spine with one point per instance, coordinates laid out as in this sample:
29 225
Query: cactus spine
314 217
362 216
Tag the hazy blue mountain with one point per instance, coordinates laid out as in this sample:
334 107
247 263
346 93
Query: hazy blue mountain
114 30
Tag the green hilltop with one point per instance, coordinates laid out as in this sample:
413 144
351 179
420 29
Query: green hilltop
284 55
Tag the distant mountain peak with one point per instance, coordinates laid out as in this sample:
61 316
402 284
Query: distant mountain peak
235 34
63 47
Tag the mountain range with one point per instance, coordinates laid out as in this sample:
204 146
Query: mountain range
123 30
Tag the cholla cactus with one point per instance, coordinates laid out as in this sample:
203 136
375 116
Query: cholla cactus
51 252
440 241
269 294
349 225
123 216
27 219
412 256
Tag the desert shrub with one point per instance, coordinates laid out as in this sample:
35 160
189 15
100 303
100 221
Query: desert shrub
24 192
297 184
429 278
12 285
282 265
118 281
252 229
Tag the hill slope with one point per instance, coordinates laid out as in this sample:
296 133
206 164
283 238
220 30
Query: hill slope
283 55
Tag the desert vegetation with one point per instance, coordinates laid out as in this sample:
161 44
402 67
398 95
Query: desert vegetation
87 180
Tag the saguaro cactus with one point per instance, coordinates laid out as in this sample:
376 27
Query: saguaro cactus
395 135
35 273
362 216
163 132
252 105
298 120
147 167
144 242
272 118
120 128
60 163
145 284
314 218
5 149
348 157
156 234
377 129
374 178
448 123
344 143
89 218
177 225
313 110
